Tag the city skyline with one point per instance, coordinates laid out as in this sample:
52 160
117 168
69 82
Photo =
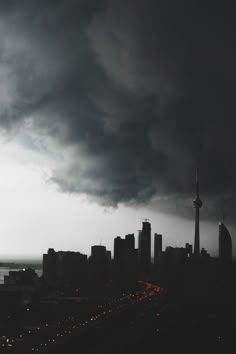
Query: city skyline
117 176
106 110
154 235
126 220
128 226
155 245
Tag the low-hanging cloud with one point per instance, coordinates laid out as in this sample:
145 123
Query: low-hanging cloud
142 91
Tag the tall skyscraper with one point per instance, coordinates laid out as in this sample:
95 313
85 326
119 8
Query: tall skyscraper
145 250
157 247
119 248
225 244
157 257
130 241
124 258
98 252
139 241
98 266
50 267
197 204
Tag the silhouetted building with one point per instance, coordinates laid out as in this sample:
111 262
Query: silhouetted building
171 265
130 275
98 268
157 247
119 248
145 250
139 240
50 267
71 269
157 254
119 260
109 265
189 249
204 254
225 270
26 278
225 244
125 263
197 204
130 241
98 252
162 268
65 269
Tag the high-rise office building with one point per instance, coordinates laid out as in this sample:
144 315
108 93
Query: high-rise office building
99 264
130 275
125 261
157 256
139 241
50 267
157 247
109 265
225 244
98 252
145 250
197 204
119 247
130 241
71 268
62 268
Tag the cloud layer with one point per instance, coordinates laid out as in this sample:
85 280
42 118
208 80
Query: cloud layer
139 92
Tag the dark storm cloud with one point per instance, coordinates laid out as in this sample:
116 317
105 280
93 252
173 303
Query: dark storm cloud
141 91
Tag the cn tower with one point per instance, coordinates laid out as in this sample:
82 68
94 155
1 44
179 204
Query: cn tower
197 204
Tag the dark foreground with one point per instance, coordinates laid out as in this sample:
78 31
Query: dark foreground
144 321
170 329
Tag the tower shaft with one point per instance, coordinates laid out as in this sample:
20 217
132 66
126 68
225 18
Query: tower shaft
197 236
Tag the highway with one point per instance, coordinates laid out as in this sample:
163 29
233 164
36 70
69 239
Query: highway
71 331
138 322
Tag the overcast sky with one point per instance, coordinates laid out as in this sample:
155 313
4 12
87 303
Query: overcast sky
106 110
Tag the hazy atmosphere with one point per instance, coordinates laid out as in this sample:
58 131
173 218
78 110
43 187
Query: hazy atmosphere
106 110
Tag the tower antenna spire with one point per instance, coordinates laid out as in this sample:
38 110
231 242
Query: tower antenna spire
197 204
197 183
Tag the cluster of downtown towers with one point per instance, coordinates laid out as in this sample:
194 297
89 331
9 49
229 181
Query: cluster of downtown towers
94 273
